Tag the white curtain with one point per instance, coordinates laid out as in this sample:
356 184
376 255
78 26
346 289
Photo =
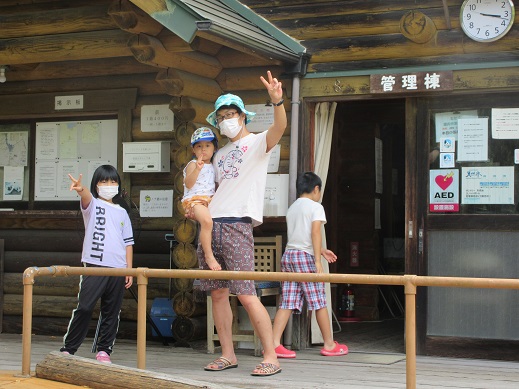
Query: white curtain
324 116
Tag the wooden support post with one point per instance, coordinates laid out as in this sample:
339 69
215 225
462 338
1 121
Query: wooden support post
142 283
410 332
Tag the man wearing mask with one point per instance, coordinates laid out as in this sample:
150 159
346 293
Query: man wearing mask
237 206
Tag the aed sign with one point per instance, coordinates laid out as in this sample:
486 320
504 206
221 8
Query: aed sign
444 190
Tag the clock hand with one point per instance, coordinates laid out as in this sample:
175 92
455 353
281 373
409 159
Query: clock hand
493 16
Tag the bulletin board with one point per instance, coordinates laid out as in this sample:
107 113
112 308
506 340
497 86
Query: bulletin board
75 147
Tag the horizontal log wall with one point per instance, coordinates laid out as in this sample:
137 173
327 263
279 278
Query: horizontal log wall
367 34
105 45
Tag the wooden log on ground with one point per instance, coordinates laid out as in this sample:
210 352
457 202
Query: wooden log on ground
90 373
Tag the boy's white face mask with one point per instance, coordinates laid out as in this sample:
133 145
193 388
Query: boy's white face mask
107 192
230 127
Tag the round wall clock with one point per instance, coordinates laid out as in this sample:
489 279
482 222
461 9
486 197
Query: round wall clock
486 20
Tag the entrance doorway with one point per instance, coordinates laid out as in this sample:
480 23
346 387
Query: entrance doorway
365 205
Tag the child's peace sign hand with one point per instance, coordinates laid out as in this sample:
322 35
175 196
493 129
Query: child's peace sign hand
200 162
76 184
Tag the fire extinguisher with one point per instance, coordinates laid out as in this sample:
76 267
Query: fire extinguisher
348 302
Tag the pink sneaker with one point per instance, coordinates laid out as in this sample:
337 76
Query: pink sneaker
103 357
339 349
283 352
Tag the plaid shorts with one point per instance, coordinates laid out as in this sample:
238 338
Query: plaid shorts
233 248
294 293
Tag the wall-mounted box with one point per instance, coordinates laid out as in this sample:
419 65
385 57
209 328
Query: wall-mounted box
146 157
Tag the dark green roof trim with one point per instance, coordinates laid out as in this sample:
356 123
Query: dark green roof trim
231 20
266 26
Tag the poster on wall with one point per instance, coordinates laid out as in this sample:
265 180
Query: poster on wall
447 123
487 185
505 123
473 139
13 183
444 190
156 203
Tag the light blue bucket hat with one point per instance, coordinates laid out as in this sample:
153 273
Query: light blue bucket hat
229 99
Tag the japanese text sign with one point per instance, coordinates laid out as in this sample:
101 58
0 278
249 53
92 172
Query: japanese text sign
411 82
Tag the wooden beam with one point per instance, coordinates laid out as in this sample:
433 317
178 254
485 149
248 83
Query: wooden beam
94 68
180 83
45 21
89 373
65 47
397 46
151 51
273 11
144 83
132 19
338 25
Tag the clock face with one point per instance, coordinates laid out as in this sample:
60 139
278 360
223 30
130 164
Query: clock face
486 20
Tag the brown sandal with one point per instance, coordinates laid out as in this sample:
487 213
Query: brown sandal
221 363
266 369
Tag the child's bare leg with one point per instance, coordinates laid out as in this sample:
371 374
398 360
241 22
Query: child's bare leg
203 216
323 320
280 322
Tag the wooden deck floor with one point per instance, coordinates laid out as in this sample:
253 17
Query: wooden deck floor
361 368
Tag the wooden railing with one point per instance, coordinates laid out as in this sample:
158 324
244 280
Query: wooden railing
410 283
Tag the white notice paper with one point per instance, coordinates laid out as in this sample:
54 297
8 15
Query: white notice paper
473 139
263 119
447 123
505 123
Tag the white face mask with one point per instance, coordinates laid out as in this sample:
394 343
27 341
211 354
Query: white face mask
107 192
230 127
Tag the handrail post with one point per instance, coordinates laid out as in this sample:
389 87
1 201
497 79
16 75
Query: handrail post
410 331
142 284
28 282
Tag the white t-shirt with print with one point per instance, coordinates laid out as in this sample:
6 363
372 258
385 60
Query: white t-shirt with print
300 216
204 185
241 174
108 231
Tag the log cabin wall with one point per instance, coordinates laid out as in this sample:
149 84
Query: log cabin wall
90 48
